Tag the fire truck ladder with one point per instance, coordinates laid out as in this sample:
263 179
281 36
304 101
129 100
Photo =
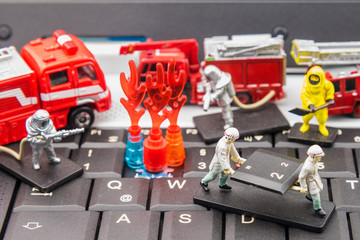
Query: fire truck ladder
251 45
308 52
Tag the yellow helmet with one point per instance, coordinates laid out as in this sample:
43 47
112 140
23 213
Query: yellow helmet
315 77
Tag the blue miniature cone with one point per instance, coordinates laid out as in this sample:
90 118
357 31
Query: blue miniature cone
134 151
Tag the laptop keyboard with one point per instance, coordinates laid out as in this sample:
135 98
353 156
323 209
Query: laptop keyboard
112 201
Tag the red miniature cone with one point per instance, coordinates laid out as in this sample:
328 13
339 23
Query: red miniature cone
155 144
155 151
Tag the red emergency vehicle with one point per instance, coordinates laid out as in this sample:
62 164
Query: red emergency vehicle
257 63
58 74
184 52
346 81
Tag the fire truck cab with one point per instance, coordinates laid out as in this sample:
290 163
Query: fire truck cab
58 74
346 81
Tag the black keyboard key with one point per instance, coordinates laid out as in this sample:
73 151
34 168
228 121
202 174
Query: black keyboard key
291 209
281 141
49 177
119 194
52 225
69 197
192 225
71 142
269 170
191 138
100 162
197 161
336 229
346 194
246 152
337 163
264 120
130 225
241 226
174 194
357 157
258 141
347 138
7 185
312 136
355 225
104 138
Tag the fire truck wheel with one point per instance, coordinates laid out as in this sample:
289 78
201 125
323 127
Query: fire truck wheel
81 117
356 111
244 98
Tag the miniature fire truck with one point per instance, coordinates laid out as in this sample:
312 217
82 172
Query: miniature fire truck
58 74
340 62
257 63
184 52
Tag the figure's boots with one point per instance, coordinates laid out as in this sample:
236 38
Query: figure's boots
323 130
305 127
36 166
55 160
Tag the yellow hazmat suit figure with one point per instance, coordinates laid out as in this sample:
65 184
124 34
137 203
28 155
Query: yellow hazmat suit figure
316 91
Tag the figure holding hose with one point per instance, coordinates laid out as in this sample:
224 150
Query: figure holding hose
220 88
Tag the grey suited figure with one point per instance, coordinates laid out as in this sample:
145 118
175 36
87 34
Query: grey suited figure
221 90
38 126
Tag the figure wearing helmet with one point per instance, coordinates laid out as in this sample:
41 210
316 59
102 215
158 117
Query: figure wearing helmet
38 126
220 164
316 91
309 178
221 90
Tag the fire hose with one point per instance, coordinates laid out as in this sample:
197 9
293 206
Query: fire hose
256 104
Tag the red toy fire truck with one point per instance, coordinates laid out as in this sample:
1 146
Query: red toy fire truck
184 52
257 63
340 61
58 74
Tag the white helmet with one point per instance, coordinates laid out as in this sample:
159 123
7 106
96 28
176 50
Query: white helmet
231 133
315 151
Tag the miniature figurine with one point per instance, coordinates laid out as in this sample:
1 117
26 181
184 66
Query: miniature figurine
309 178
316 95
220 164
221 90
42 133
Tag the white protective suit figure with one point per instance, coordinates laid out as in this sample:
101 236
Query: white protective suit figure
220 164
309 178
38 126
221 90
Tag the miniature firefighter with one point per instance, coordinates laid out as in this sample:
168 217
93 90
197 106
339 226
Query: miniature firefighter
316 92
309 178
221 90
39 126
220 164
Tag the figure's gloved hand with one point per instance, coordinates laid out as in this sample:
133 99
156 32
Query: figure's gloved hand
312 108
